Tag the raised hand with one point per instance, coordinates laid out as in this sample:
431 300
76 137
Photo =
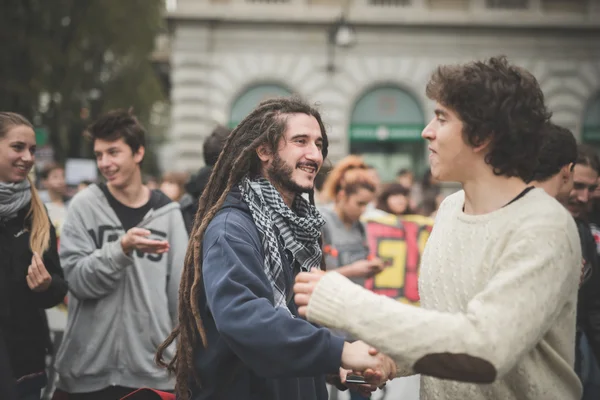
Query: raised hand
136 238
38 278
376 368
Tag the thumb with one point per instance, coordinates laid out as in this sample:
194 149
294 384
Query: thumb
373 351
343 374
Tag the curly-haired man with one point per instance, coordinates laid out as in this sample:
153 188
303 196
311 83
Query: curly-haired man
500 271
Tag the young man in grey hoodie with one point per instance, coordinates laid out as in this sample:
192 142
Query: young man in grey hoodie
122 251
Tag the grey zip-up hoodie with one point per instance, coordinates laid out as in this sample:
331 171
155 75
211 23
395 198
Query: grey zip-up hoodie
120 307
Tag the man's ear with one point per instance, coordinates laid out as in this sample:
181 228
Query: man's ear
483 145
264 153
565 172
138 156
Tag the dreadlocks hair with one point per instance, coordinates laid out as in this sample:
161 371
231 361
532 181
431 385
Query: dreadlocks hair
265 125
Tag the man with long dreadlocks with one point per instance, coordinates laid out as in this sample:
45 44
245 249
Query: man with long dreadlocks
239 336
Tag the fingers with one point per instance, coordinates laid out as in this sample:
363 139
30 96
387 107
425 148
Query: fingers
151 246
373 351
38 279
34 270
32 285
302 311
302 300
308 277
306 288
139 232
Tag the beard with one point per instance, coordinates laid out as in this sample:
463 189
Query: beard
281 176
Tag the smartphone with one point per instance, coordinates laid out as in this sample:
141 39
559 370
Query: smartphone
356 379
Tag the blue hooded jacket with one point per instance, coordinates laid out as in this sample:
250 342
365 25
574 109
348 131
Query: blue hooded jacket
255 351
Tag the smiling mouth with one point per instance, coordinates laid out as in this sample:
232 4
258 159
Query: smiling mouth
308 169
22 168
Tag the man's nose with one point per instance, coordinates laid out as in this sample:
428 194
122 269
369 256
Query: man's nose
428 133
583 195
314 154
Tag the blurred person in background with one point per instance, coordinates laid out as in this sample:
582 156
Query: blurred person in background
430 204
210 150
344 235
372 170
173 185
427 188
52 178
585 184
31 278
406 178
83 185
395 199
151 182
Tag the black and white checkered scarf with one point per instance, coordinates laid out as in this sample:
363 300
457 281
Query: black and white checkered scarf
298 229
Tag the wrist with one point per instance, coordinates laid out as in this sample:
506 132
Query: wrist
125 246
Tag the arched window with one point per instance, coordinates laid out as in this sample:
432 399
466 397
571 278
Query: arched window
385 128
250 98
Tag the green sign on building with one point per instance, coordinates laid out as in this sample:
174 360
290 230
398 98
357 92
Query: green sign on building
386 114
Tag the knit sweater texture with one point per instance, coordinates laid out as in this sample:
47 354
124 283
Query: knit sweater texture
498 300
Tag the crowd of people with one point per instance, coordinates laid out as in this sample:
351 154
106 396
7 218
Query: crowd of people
247 279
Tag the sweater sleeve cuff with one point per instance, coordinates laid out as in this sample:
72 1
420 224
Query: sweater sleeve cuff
328 303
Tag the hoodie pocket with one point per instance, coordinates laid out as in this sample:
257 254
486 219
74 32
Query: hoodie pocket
140 345
89 345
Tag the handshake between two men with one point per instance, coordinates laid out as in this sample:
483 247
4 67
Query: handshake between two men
358 358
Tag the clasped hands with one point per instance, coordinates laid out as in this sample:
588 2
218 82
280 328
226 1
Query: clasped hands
358 357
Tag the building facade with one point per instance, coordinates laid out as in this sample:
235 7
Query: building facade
366 63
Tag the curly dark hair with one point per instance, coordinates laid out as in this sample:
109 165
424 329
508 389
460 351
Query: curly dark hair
265 125
497 103
559 148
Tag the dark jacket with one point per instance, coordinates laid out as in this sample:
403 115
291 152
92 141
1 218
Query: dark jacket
7 380
588 304
23 315
194 189
255 351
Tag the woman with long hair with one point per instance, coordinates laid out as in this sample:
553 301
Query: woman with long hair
31 276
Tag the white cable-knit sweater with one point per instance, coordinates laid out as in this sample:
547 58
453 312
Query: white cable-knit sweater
498 299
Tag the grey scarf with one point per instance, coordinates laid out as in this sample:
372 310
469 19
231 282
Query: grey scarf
299 230
13 197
